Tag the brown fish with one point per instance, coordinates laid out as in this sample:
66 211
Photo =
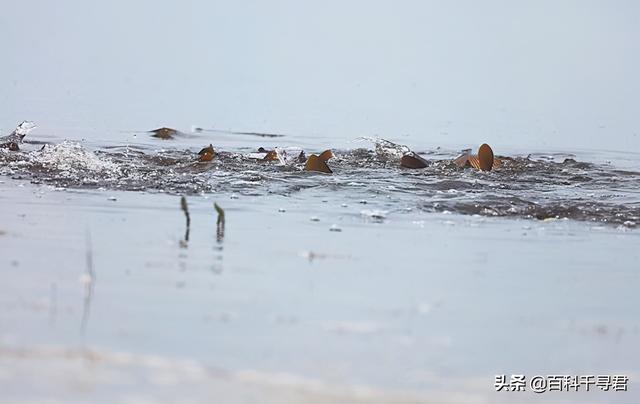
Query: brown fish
485 157
483 161
326 155
412 160
271 155
315 163
164 133
207 153
463 160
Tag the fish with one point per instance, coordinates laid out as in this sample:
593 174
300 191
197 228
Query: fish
271 155
319 162
462 160
413 160
164 133
326 155
285 156
13 140
485 157
483 161
207 153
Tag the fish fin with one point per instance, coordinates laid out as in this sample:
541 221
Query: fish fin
314 163
474 162
485 157
271 156
413 161
326 155
462 161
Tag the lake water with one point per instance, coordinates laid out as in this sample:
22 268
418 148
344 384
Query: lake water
373 284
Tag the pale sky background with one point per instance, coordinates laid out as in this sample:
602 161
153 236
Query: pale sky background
543 74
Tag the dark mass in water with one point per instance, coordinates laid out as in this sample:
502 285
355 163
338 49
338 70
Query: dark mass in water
483 161
271 155
185 209
219 223
234 132
537 186
164 133
413 160
207 153
271 135
319 163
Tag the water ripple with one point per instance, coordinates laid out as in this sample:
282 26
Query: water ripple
543 186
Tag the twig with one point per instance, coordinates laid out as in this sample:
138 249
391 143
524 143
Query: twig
185 209
220 223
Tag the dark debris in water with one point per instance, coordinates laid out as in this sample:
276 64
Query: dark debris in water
220 222
578 209
164 133
523 187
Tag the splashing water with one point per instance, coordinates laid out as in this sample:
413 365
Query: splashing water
71 159
544 186
24 128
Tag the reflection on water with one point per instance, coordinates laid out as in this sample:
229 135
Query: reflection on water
183 256
217 266
88 280
53 308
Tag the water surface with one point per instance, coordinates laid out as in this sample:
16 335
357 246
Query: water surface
374 284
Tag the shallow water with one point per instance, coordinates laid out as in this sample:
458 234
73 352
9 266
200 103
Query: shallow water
374 284
536 185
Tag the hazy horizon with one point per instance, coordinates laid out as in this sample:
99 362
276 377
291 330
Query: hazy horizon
538 74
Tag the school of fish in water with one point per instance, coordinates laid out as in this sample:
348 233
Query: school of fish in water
481 183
